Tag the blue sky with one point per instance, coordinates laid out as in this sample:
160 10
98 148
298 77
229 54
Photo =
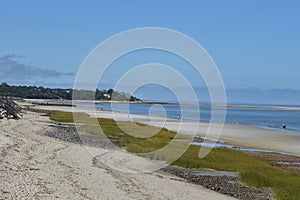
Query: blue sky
254 43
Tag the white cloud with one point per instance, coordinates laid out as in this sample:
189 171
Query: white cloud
14 72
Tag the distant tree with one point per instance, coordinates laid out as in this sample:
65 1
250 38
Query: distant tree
58 93
110 91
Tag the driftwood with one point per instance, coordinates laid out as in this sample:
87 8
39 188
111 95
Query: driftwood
9 109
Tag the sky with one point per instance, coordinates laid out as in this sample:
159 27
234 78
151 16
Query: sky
255 44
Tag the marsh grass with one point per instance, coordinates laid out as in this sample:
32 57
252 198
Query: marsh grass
253 171
135 144
65 116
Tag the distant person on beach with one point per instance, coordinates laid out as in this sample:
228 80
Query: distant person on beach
178 116
283 127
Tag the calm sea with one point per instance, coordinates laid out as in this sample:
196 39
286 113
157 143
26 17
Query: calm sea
255 115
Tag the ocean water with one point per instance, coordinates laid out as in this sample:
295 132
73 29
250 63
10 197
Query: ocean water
255 115
221 144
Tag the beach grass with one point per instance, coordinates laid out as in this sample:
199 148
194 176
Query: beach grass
253 171
136 144
65 116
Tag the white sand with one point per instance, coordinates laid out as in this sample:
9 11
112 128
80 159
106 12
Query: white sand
34 166
238 135
4 141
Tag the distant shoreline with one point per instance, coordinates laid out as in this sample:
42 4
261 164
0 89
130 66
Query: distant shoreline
230 106
104 105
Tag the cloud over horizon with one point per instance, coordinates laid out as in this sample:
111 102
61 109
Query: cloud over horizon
14 72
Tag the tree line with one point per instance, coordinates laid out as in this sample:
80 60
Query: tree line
35 92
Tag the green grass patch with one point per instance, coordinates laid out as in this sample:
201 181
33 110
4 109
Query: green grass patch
66 116
135 144
253 171
145 145
61 116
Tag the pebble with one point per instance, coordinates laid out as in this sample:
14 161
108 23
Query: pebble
69 133
228 185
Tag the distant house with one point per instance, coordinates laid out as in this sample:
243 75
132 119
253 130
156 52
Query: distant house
107 96
54 91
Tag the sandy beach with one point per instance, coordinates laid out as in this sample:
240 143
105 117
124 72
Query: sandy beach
34 166
142 100
234 134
